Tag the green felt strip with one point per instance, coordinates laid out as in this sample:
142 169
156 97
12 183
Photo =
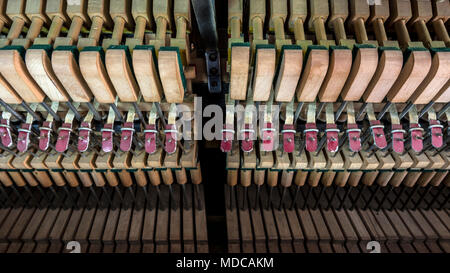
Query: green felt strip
98 49
20 49
409 51
47 48
73 49
356 47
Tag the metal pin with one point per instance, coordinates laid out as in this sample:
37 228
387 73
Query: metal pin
320 108
405 110
340 110
94 111
298 111
74 110
31 112
443 110
361 111
384 110
426 108
160 114
12 111
139 112
117 112
51 112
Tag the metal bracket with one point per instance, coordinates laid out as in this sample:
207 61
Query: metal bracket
213 71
